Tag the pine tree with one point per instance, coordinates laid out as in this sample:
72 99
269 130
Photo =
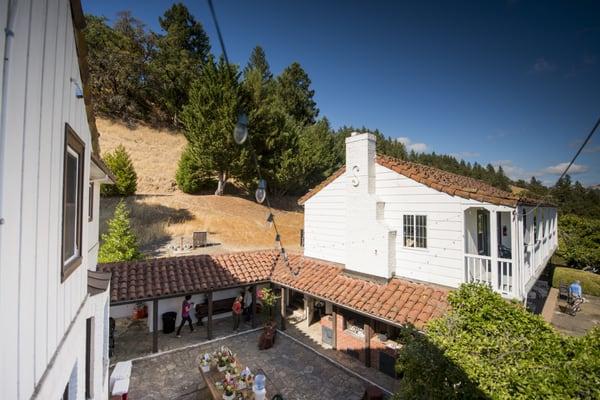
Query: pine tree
177 60
258 60
121 166
209 119
295 94
120 243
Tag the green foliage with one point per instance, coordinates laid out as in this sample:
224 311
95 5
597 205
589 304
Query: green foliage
209 119
117 62
486 347
579 241
120 243
258 61
590 282
268 299
121 166
192 177
176 60
295 95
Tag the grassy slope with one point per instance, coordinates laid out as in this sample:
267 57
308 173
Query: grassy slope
162 215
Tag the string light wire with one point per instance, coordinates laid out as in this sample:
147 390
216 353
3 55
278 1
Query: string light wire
271 215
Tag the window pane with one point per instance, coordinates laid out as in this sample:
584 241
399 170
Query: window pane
70 216
421 231
409 231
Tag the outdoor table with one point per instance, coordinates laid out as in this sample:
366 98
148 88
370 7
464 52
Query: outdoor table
213 376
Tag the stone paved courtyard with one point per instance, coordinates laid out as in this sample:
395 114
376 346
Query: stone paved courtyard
296 371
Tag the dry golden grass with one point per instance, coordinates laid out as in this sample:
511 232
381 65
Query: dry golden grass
163 215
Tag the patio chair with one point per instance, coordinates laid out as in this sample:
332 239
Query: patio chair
563 291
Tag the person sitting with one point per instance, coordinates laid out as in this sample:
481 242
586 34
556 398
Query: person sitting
575 290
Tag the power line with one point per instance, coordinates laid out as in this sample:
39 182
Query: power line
271 216
585 142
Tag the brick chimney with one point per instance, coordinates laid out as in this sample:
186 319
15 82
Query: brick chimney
369 244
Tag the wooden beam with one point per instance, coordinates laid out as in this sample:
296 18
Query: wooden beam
282 308
334 327
210 315
254 298
155 326
367 330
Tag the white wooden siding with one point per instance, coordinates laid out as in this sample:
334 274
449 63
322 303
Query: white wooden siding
325 223
40 98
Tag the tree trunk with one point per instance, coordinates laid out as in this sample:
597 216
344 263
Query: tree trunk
221 184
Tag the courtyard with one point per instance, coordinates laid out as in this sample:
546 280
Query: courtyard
296 371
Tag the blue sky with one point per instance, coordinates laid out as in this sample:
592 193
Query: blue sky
515 83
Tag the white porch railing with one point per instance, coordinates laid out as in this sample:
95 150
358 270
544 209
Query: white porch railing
500 277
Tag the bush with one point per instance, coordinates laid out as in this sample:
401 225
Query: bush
120 243
121 166
487 347
590 282
579 241
190 176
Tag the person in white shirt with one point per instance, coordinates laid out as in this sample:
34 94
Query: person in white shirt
248 304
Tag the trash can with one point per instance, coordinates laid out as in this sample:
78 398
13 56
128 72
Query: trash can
168 320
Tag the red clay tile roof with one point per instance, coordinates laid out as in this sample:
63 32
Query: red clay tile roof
443 181
165 277
397 301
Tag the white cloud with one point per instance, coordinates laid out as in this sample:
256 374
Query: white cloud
513 171
543 65
410 146
559 169
463 155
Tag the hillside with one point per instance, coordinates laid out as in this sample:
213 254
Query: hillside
163 216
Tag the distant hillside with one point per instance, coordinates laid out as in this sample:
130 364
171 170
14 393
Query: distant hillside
162 215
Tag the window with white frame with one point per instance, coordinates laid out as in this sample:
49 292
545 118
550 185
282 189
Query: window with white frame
415 231
74 154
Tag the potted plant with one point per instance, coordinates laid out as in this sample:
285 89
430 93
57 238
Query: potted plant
228 392
205 362
268 299
224 358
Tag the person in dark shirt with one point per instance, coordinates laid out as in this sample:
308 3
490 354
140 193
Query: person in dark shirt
186 306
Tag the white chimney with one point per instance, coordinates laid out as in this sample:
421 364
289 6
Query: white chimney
369 242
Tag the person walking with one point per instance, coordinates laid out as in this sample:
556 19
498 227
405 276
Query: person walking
237 312
186 306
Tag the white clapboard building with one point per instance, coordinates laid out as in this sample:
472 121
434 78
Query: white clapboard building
53 304
393 218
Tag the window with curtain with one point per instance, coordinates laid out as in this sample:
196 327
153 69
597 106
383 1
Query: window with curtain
415 231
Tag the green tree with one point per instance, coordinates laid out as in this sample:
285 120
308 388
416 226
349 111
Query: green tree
119 243
209 119
258 61
294 93
121 166
488 348
117 62
177 59
579 241
191 176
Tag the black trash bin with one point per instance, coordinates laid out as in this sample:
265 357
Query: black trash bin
168 319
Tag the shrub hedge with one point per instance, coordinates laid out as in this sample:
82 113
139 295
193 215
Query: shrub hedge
590 282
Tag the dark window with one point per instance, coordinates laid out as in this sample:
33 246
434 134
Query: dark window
91 202
421 231
483 236
354 322
535 227
89 349
74 154
525 224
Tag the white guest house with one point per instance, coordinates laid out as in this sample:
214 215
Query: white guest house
54 305
392 218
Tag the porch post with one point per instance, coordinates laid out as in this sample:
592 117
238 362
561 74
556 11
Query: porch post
155 326
494 248
367 330
254 298
516 253
283 306
334 327
210 315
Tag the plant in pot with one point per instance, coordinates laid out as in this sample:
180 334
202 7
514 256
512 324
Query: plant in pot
205 362
268 299
228 392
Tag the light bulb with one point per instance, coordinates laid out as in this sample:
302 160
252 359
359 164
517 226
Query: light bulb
261 191
270 221
240 132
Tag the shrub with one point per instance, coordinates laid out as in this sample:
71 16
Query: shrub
120 243
590 282
579 241
487 347
190 176
121 166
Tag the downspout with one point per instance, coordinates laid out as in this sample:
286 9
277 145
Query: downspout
9 35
